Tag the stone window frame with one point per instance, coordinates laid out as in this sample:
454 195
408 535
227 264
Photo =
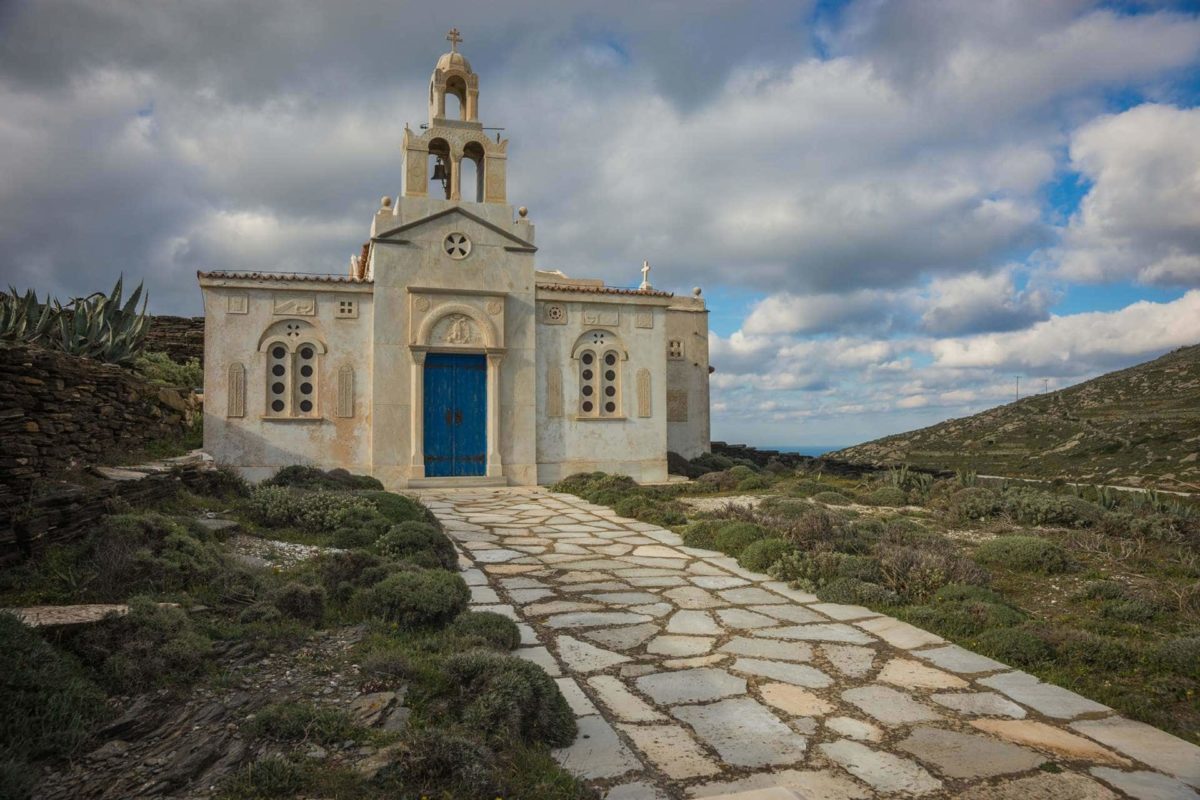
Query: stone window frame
599 355
346 308
675 350
292 352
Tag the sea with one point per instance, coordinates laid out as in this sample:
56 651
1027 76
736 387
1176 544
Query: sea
804 450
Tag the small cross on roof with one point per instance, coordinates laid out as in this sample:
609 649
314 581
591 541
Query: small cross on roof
453 38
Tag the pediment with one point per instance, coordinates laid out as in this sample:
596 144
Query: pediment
405 232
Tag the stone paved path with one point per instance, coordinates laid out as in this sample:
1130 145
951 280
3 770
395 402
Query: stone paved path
692 677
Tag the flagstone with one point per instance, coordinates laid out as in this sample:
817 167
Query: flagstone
1064 786
1049 738
484 594
703 568
495 556
909 674
671 749
984 704
638 670
693 597
842 612
635 791
558 607
883 771
624 598
848 659
760 648
522 583
799 674
965 755
656 551
660 580
695 661
693 622
654 609
624 638
751 594
576 699
804 784
644 572
541 656
503 609
718 581
1146 785
795 595
743 732
691 686
1159 749
899 634
794 700
821 632
528 635
511 569
663 563
741 618
582 576
888 705
474 577
673 645
1051 700
583 657
790 613
595 619
958 659
601 586
597 752
624 704
854 729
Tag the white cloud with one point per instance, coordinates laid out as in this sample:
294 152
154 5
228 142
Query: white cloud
976 302
1141 217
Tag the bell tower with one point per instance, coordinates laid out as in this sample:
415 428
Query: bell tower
436 154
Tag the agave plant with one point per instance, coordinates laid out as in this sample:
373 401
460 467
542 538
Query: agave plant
23 318
99 327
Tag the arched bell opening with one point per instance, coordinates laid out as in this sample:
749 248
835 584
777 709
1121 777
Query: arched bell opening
440 168
472 172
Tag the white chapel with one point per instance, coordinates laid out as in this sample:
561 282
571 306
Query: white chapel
446 356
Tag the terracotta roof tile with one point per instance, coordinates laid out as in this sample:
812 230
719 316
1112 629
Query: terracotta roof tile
284 276
572 287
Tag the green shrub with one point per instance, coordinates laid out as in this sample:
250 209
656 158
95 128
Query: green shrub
267 777
158 367
1181 655
805 488
972 504
754 483
505 698
396 508
17 778
733 537
148 552
302 477
717 481
49 705
886 496
392 665
760 555
263 612
1089 650
297 722
1128 610
741 472
789 507
857 538
415 598
318 511
1024 554
712 462
1014 646
442 763
959 610
489 628
650 509
1102 590
852 591
702 534
152 645
915 574
418 543
813 570
223 482
301 602
831 498
1033 507
351 569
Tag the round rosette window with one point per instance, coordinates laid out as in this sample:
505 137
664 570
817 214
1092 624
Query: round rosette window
457 245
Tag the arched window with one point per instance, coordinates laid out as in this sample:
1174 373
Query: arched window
439 179
456 98
599 355
293 352
472 172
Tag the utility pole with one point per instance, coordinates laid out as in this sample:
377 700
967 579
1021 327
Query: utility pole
1045 385
1018 377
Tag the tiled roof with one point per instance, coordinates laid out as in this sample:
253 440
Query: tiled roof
584 289
284 276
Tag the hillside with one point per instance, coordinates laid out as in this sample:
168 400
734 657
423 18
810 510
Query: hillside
1138 427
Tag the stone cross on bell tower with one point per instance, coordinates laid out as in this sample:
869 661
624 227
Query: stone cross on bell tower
645 277
433 159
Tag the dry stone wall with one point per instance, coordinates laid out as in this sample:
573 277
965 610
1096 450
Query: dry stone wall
182 338
58 411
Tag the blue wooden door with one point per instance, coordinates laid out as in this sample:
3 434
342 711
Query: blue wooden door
455 415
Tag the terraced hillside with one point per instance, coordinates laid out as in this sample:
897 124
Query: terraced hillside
1138 427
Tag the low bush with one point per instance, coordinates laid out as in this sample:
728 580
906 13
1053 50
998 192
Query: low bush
1102 590
717 481
260 613
392 665
760 555
754 483
302 722
732 538
1181 655
152 645
1132 610
302 477
788 508
1024 554
1015 646
813 570
1089 650
712 462
360 528
300 602
958 610
266 777
856 538
414 598
702 534
852 591
654 510
316 511
486 628
505 698
158 367
915 574
972 505
442 763
49 705
419 543
147 552
343 572
805 488
396 508
1033 507
831 498
886 496
223 482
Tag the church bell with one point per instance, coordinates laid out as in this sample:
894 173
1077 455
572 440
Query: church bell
439 170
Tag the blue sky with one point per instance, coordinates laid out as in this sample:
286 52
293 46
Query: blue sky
894 208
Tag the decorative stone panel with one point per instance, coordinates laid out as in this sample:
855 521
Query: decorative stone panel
235 404
345 392
677 405
602 316
554 313
237 304
643 392
295 305
554 392
643 319
346 308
